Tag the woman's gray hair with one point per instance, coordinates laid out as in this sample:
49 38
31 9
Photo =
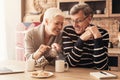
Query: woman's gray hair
87 10
50 13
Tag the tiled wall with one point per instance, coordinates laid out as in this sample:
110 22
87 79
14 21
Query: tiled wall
112 25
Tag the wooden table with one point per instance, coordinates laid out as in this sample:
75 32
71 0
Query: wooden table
72 74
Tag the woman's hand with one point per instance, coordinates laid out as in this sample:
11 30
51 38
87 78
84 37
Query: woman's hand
56 46
42 49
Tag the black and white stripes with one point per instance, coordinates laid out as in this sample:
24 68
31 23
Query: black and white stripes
91 53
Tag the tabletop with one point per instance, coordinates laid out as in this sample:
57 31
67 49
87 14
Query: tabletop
71 74
114 51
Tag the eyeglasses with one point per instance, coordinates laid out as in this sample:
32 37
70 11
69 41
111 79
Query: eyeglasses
78 21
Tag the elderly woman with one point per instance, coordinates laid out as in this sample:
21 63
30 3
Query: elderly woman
40 40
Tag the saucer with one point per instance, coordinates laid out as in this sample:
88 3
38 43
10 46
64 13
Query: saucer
41 74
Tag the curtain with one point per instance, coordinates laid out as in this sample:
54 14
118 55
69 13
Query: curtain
3 47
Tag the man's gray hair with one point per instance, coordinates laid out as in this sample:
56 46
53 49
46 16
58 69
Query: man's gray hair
50 13
87 10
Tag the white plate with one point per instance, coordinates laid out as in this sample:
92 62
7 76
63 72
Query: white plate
40 74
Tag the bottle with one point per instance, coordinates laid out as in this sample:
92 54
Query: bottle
105 11
110 45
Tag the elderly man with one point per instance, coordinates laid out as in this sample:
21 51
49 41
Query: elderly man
85 44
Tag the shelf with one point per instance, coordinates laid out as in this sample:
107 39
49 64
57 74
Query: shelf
99 15
114 8
98 5
66 5
94 0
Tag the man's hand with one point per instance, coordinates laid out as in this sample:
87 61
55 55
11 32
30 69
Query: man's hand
94 30
91 32
87 35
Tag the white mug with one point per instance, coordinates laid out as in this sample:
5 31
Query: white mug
98 11
60 66
30 65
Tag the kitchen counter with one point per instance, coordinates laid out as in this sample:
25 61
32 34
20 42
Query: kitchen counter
114 51
114 58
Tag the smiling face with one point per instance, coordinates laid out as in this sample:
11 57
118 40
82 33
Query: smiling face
54 26
80 22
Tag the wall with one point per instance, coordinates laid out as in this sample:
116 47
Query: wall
112 25
12 18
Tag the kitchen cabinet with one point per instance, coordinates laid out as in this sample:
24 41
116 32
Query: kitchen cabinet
114 58
65 6
108 8
100 7
114 6
97 5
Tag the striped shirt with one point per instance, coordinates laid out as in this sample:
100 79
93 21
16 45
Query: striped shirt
90 54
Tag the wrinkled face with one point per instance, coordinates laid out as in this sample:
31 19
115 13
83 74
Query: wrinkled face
80 22
55 25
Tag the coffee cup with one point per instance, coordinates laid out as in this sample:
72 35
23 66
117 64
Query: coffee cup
61 66
30 65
